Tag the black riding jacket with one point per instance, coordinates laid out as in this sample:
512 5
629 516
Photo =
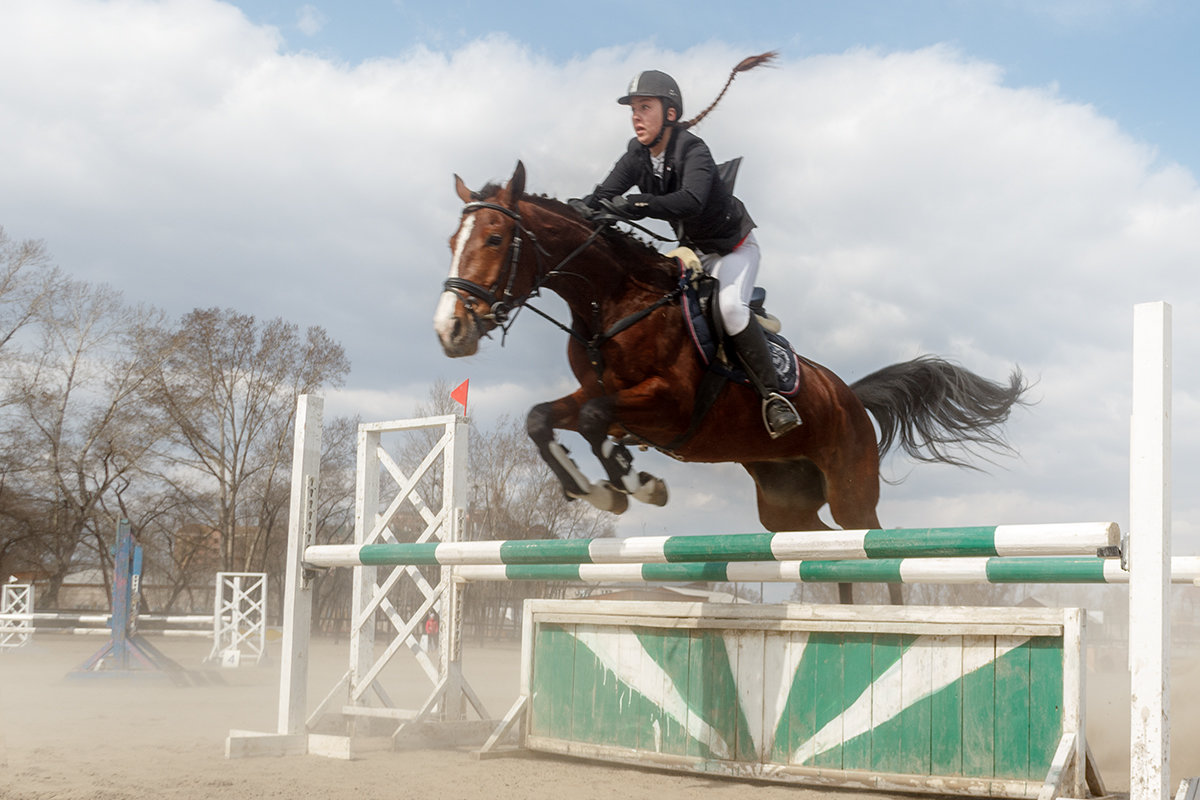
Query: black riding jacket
690 194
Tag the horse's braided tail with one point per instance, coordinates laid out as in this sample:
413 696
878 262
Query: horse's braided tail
745 65
935 410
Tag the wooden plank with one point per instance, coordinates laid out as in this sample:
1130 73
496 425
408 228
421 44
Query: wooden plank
553 680
697 681
801 704
748 683
252 744
634 704
915 688
622 611
924 628
777 676
677 647
1045 703
716 702
297 593
857 677
1012 710
340 747
582 711
1150 553
651 714
886 756
979 704
828 651
946 709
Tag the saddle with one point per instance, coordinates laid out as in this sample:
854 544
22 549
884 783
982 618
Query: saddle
699 300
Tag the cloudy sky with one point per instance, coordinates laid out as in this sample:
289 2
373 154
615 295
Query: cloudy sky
998 183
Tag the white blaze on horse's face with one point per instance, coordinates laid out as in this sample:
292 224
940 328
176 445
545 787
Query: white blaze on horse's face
457 333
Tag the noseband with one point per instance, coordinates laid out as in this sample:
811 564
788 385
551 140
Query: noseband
466 290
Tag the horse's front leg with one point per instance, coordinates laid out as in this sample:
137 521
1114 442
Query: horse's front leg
564 414
596 419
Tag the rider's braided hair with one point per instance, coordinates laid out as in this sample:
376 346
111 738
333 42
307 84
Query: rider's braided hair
745 65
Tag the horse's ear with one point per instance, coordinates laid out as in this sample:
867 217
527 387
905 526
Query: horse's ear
464 193
516 186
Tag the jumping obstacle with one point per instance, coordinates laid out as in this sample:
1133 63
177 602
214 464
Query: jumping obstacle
239 619
237 625
944 700
992 540
1066 569
16 615
360 700
127 653
638 663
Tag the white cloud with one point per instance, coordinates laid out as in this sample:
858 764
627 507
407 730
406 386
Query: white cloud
310 20
907 202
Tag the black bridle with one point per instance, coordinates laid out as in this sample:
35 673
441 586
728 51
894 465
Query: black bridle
469 291
504 305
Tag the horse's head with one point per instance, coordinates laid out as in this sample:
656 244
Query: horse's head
485 281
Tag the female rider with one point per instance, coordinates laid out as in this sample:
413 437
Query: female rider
679 182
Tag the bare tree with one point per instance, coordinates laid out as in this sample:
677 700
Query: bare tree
72 413
27 283
230 389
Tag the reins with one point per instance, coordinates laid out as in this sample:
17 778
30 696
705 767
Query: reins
504 307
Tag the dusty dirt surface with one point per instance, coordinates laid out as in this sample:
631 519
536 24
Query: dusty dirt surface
148 738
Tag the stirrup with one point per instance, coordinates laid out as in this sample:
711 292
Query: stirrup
787 427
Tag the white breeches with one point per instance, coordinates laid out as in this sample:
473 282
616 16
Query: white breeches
735 273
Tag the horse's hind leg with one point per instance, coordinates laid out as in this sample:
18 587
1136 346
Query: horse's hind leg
790 493
853 496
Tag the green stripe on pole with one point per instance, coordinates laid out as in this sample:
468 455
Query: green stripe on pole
880 571
542 572
420 553
553 551
741 547
700 571
931 542
1046 570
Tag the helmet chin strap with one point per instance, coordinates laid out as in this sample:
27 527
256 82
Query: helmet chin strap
661 132
663 129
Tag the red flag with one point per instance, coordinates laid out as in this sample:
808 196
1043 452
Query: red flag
459 395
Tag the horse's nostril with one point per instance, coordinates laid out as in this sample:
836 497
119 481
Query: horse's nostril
456 331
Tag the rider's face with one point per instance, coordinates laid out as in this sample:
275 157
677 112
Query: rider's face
647 118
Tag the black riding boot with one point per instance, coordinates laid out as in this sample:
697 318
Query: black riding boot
779 415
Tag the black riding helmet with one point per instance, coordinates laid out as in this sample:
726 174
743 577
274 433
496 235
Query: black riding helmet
653 83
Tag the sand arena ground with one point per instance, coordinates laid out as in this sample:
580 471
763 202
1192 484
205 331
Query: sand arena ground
74 739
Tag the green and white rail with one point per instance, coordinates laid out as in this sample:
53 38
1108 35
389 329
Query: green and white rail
1088 538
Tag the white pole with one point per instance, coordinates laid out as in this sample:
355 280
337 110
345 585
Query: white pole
297 598
1149 553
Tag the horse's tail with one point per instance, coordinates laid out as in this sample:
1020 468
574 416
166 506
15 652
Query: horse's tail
935 410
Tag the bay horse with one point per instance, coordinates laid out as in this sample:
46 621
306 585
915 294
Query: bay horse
638 373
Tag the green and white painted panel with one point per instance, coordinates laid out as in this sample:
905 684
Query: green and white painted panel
940 705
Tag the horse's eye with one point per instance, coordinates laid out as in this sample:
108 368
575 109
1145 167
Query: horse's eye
493 240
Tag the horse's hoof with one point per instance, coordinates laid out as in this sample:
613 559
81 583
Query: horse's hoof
606 497
653 490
